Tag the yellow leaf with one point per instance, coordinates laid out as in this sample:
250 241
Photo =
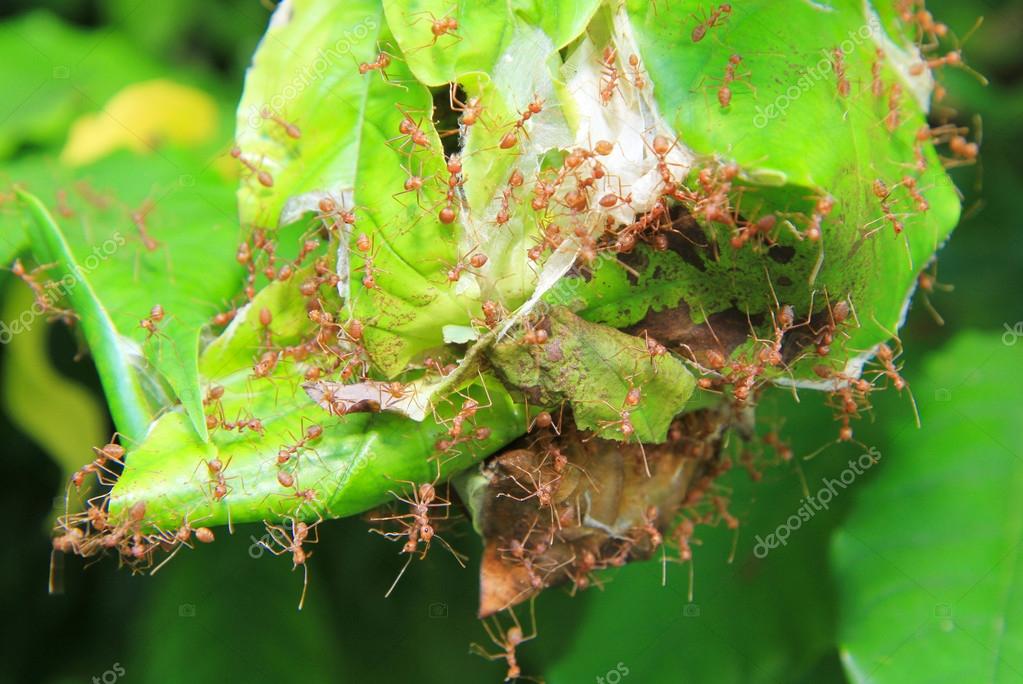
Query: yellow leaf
140 117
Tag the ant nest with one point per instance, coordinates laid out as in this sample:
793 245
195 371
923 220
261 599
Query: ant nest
556 508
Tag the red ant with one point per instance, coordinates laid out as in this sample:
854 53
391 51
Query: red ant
470 407
305 497
910 184
448 214
721 506
213 397
109 452
138 217
216 469
151 322
611 199
413 183
507 641
964 152
471 111
382 61
711 201
928 28
838 63
653 349
953 58
265 319
311 434
290 129
838 314
638 80
534 334
42 298
934 30
222 318
474 259
417 525
540 489
649 526
369 253
264 177
519 552
549 238
542 193
724 91
661 147
308 247
445 26
266 365
967 151
718 15
851 397
242 424
893 118
544 420
63 208
876 84
821 209
410 132
493 312
609 75
244 257
882 192
887 357
334 214
928 283
504 213
285 542
511 138
783 322
90 195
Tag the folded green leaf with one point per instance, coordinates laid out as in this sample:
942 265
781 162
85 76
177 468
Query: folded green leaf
359 458
116 362
614 385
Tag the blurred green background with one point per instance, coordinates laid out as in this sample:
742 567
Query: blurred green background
912 574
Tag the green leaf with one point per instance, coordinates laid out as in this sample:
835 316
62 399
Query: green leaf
351 468
618 294
306 70
191 271
128 403
595 368
797 139
482 33
928 564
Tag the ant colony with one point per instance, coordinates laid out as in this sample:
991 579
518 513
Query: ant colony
426 302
